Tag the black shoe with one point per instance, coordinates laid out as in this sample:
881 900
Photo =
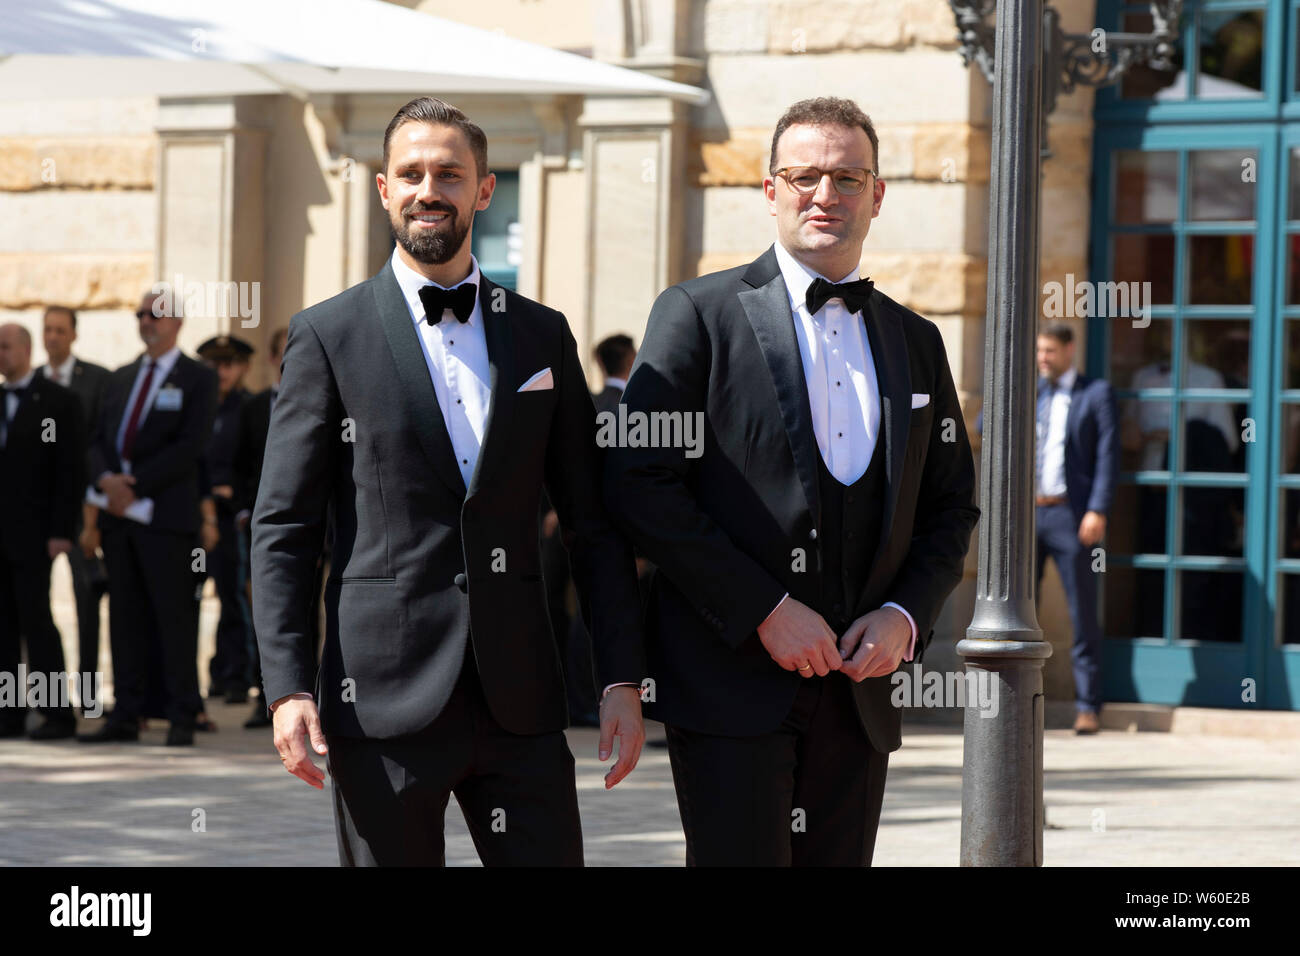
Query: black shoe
179 735
259 718
112 731
237 695
204 723
54 729
12 730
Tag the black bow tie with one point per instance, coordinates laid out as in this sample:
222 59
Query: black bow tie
855 294
460 300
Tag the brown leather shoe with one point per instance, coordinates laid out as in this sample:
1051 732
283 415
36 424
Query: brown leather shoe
1086 722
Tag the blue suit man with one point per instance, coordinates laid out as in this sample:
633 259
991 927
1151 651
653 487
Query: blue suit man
1076 461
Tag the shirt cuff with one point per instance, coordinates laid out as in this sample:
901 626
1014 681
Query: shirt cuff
773 611
612 686
911 647
301 695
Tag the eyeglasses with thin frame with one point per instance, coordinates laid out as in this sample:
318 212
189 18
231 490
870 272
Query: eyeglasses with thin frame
847 180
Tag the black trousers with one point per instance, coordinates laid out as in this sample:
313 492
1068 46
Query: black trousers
518 793
151 605
87 593
25 617
807 794
229 667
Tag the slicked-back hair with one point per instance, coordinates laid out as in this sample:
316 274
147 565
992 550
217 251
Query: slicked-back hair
1059 331
430 109
825 111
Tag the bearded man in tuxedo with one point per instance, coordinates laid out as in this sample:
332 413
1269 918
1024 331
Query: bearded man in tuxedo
432 406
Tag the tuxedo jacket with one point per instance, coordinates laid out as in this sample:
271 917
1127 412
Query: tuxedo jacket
42 471
169 445
420 562
88 383
734 529
1091 446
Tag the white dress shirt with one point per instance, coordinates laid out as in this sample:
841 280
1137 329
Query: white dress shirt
1053 477
457 357
843 390
61 374
163 366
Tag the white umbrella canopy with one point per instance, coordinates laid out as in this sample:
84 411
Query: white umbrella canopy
74 48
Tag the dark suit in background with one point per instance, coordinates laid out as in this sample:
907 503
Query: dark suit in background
758 515
438 645
1091 467
42 474
151 588
607 399
253 433
228 670
89 581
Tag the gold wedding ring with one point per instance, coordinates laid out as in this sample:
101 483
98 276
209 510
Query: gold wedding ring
806 667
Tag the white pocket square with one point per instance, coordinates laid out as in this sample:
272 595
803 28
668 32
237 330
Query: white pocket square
539 382
920 399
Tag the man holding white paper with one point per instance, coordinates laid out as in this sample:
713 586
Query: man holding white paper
144 465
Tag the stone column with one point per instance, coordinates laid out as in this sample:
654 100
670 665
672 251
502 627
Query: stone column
211 156
634 151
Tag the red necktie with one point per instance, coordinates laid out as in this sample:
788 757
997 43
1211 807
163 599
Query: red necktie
128 439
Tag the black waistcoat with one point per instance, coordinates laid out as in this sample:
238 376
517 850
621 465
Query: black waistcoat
849 533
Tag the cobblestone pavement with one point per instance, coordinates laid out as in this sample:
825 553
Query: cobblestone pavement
1116 799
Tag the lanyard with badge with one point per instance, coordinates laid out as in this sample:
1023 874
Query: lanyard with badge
168 399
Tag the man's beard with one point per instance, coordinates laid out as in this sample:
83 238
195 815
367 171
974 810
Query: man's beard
433 247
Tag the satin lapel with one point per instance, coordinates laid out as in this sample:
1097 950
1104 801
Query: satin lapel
500 346
894 377
768 309
413 375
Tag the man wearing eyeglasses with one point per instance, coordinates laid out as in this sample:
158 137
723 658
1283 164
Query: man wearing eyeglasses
807 552
145 448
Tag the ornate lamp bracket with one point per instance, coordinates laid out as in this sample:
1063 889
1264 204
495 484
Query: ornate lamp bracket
1099 58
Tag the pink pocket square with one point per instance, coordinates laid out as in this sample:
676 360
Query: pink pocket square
539 382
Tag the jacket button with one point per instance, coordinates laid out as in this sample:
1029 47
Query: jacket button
461 582
812 535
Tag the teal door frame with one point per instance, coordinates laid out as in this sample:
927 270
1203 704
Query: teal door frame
1258 671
